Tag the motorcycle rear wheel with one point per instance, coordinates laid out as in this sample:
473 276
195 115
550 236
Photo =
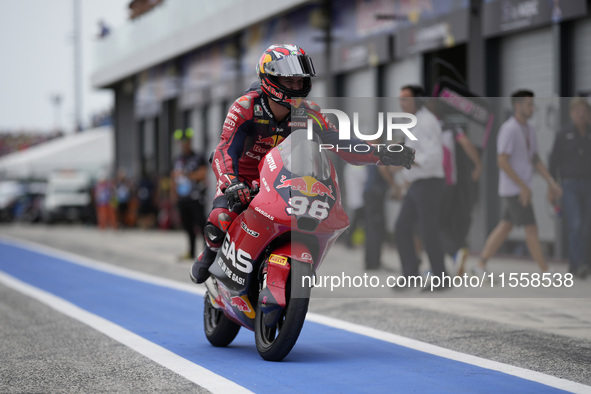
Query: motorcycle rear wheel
274 343
219 330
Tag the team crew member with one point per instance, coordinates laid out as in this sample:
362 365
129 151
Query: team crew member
571 163
259 121
423 198
188 189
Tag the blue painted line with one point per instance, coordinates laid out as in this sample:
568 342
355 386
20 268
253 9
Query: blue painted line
325 359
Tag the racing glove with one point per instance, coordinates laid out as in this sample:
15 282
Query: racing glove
237 192
404 158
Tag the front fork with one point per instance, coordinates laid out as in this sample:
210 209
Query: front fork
212 292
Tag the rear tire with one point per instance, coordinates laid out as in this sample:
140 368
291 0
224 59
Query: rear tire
274 343
219 330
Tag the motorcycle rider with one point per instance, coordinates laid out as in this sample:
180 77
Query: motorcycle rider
258 121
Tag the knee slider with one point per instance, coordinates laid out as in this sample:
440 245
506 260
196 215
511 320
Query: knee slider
213 235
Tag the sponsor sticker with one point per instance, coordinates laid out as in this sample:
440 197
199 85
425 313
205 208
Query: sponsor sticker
265 214
271 163
258 110
249 231
272 140
243 304
306 256
266 185
276 259
269 113
271 90
307 185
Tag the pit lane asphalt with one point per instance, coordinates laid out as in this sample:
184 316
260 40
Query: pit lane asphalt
52 353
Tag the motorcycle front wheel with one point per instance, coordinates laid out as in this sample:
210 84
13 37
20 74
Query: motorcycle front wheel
219 330
275 342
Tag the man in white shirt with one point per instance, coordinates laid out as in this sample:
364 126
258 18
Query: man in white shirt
421 203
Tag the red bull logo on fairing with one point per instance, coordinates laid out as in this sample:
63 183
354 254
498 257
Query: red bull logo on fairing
307 185
243 305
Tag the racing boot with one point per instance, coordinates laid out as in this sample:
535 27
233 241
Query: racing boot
214 236
200 269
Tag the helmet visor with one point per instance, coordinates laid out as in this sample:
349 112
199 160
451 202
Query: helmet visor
291 66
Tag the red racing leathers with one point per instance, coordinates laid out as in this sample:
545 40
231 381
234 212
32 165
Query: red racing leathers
250 131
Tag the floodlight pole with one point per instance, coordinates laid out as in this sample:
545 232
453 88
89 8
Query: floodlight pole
77 67
56 100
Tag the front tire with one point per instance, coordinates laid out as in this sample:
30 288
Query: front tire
219 330
275 342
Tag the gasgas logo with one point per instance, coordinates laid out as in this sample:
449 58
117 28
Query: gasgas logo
307 185
238 257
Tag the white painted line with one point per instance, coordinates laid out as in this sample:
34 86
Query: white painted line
189 370
523 373
105 267
424 347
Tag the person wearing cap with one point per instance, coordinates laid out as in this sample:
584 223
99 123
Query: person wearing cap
188 188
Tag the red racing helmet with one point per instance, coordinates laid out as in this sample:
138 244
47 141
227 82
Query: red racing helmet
284 61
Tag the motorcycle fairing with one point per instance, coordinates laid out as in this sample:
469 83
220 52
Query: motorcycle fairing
265 220
273 296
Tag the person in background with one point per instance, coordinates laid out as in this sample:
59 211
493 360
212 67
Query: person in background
104 196
123 189
517 157
570 162
103 29
374 196
145 193
188 188
462 168
461 176
354 177
421 203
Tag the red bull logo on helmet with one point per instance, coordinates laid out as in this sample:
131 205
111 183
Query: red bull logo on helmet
307 185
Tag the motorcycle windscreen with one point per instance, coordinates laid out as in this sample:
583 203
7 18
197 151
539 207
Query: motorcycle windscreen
303 157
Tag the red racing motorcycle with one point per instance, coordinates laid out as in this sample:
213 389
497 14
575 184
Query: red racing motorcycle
263 274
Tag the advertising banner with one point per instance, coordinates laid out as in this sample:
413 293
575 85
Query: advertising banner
504 16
